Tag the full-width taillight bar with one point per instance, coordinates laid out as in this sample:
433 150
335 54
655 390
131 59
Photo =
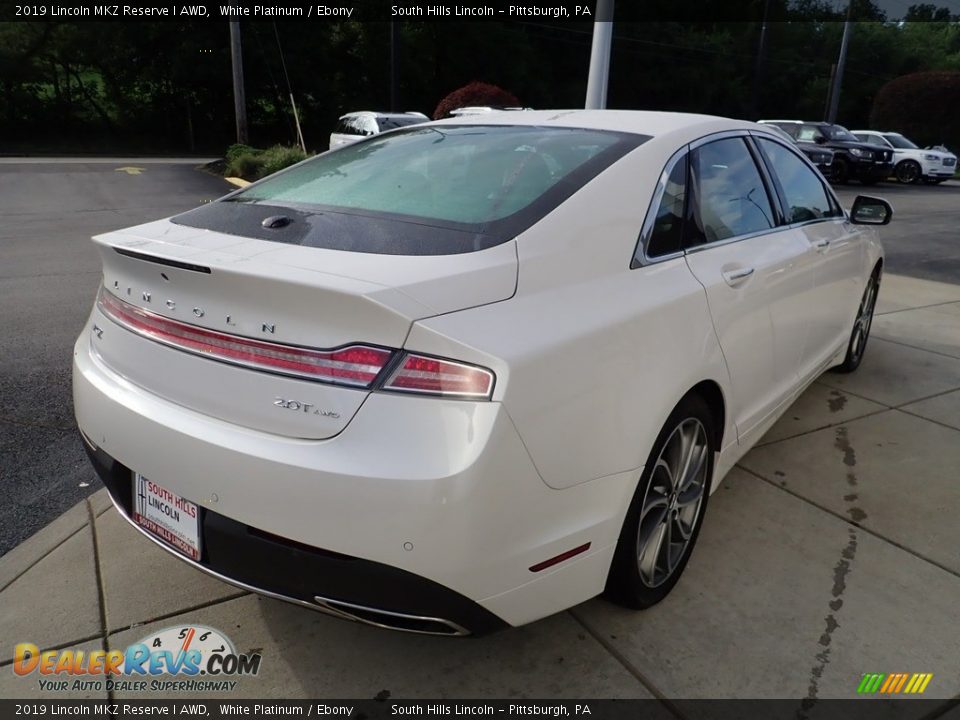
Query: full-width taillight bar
356 365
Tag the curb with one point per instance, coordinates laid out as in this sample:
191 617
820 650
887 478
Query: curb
237 182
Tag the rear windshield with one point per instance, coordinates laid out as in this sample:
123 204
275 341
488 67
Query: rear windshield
467 175
420 191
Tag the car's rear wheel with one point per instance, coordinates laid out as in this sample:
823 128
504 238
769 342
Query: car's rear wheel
667 509
907 171
861 326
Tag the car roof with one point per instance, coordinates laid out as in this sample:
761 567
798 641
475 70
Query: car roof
798 122
377 114
641 122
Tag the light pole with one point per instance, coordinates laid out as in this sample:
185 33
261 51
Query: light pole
838 73
761 68
599 73
394 66
239 96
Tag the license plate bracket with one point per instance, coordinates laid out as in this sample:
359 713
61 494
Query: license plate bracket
167 516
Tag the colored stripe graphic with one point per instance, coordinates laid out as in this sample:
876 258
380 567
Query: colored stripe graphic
894 683
870 683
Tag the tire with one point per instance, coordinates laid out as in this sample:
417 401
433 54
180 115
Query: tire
861 326
643 571
908 172
841 171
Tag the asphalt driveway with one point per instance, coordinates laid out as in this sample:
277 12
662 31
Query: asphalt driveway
49 274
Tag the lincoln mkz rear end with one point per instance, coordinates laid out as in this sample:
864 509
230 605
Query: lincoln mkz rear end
414 382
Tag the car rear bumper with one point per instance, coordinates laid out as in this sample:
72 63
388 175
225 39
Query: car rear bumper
424 514
256 560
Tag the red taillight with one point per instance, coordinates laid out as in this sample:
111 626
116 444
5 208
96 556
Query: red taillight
356 365
433 376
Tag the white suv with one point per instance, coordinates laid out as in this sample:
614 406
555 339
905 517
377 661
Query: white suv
364 123
910 162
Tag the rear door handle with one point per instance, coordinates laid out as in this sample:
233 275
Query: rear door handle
732 277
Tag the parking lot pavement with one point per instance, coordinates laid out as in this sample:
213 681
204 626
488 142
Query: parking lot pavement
49 273
829 552
922 239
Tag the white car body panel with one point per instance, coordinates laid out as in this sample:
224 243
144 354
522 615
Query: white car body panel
590 354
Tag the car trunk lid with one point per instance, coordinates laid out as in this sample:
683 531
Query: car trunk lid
281 294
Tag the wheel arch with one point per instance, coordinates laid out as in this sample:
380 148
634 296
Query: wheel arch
712 394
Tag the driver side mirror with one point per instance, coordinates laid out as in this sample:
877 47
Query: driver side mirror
868 210
819 139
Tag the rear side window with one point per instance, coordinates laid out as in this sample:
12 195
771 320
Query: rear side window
871 140
731 198
666 236
351 126
791 129
809 133
806 197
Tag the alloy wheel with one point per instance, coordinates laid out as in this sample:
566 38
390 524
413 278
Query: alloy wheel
908 172
671 505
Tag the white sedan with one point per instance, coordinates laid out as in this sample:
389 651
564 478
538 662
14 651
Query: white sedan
467 374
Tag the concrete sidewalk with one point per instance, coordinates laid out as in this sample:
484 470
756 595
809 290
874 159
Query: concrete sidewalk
831 551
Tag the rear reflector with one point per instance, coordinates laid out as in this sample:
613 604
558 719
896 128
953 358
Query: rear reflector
433 376
560 558
355 365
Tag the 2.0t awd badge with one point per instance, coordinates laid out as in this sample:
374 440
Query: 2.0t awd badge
307 408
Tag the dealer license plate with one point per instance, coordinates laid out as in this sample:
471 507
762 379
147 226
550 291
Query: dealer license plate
166 515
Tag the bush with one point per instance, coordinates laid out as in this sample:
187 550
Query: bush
279 157
252 164
245 165
238 149
924 106
475 93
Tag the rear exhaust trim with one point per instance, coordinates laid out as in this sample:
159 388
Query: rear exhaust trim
390 620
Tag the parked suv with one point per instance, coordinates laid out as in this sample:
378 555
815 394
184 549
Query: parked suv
851 157
364 123
912 163
820 156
